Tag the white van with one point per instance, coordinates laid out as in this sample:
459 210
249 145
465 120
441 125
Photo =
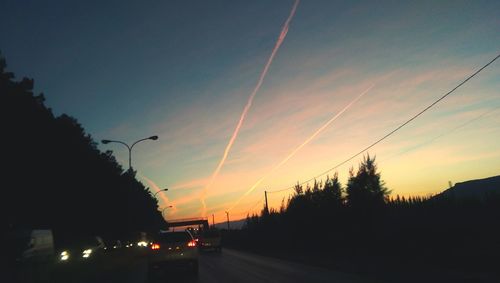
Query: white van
40 246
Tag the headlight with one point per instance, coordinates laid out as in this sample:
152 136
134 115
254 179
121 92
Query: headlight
142 244
87 252
64 256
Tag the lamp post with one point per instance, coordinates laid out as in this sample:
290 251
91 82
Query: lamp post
130 147
164 210
164 190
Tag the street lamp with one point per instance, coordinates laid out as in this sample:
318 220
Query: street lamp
164 210
130 147
164 190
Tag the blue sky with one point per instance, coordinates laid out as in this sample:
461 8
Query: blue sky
184 70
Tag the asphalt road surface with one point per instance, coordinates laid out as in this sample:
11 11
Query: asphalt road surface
228 266
236 266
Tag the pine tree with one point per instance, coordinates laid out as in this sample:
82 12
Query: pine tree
365 189
332 191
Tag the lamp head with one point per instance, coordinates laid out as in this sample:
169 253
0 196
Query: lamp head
153 138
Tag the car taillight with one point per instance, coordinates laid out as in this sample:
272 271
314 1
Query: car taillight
192 243
155 246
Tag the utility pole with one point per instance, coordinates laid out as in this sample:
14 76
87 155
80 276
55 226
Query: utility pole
213 221
227 215
267 207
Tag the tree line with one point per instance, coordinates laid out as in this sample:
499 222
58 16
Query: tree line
361 226
54 176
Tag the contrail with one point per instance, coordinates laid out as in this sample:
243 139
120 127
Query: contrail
308 140
263 74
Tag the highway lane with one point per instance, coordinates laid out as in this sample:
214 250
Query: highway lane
129 266
237 266
228 266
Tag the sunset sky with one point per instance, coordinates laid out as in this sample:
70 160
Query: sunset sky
184 70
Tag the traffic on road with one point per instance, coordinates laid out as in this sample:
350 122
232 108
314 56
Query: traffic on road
165 256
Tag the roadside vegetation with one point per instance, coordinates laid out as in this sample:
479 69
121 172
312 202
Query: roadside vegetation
360 227
55 177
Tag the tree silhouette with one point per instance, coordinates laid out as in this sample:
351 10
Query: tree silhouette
332 191
365 189
55 177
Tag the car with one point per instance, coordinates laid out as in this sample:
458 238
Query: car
111 245
173 249
210 240
81 249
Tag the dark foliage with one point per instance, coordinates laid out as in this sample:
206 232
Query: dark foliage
364 189
54 176
362 229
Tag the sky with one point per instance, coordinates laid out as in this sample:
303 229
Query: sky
346 73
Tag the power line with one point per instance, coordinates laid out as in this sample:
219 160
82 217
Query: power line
253 206
396 129
444 133
282 190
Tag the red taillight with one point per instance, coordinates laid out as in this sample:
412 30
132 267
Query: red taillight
155 246
192 243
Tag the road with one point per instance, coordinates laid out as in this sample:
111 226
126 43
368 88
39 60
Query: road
228 266
236 266
129 266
